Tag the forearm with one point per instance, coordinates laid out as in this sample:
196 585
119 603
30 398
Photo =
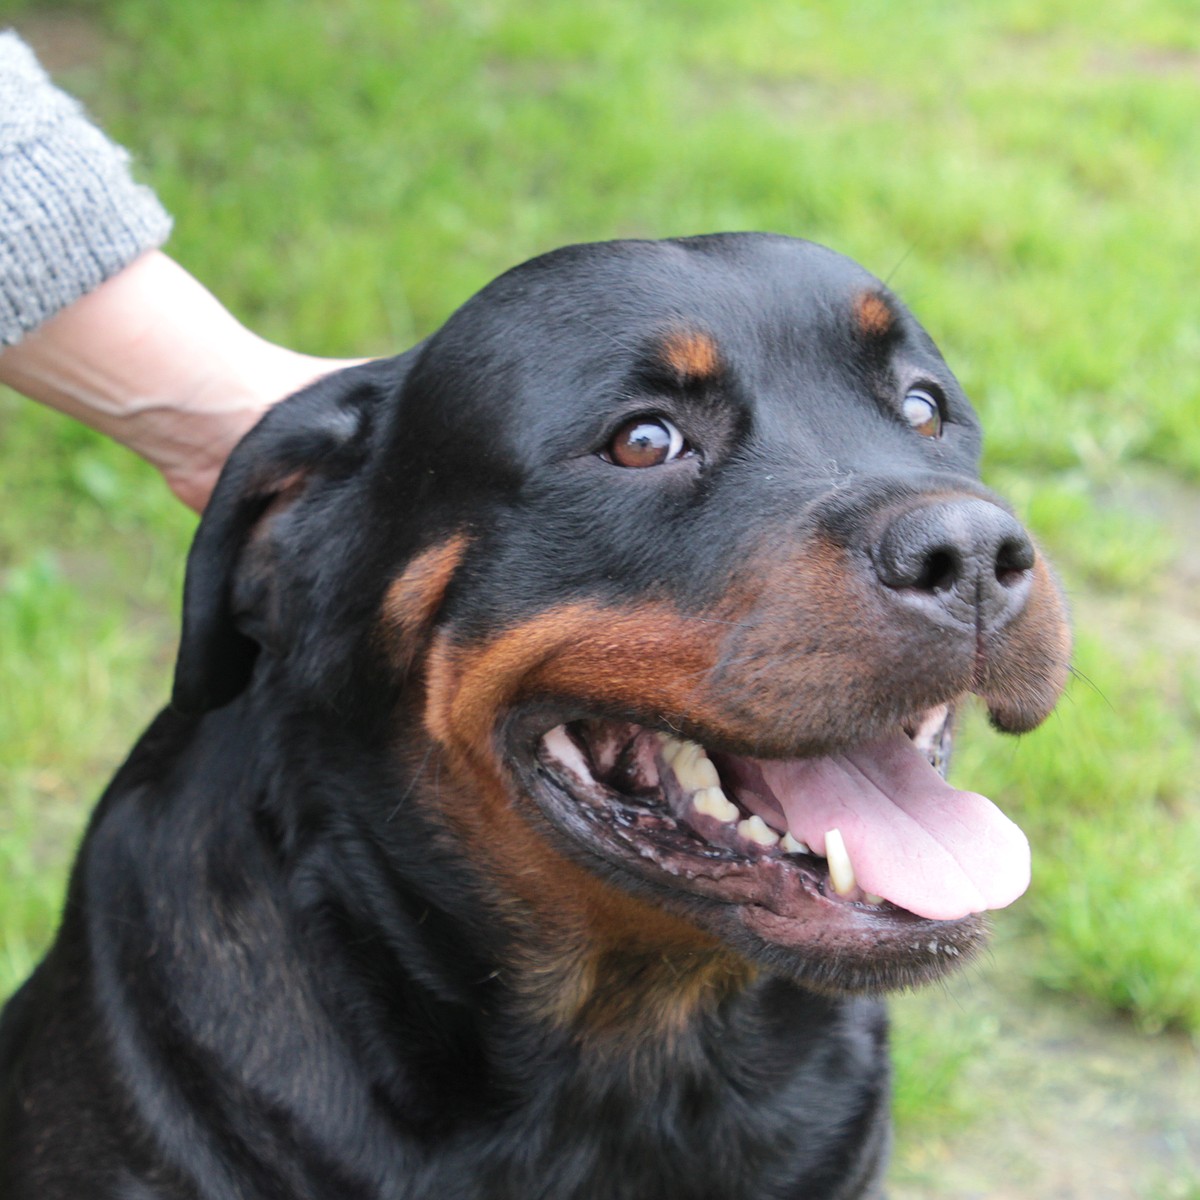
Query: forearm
152 359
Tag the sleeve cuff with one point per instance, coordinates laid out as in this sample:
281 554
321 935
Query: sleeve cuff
71 214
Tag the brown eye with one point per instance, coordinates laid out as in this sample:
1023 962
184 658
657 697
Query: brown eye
921 411
646 442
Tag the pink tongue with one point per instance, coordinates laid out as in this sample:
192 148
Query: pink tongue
913 839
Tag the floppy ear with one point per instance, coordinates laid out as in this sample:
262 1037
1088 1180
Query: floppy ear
319 434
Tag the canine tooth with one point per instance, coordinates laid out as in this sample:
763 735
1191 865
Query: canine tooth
790 845
755 829
713 802
933 721
871 898
841 872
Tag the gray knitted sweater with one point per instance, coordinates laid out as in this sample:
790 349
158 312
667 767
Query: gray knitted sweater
70 213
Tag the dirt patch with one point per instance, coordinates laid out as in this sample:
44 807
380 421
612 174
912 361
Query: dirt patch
1072 1104
64 41
1157 61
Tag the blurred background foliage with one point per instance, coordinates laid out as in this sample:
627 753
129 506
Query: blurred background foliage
1025 173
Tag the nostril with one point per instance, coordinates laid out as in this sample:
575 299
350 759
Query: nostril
940 570
966 559
1014 559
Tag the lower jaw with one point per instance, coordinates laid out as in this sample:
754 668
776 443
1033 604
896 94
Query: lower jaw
854 957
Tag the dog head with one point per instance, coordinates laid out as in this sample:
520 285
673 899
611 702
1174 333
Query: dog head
672 559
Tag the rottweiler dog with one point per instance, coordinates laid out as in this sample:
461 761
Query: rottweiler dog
552 782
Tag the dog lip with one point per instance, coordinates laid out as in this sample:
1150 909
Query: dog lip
613 786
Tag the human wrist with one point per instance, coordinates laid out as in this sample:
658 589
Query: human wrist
152 359
189 438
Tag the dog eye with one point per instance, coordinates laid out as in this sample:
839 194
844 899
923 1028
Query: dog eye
922 412
646 442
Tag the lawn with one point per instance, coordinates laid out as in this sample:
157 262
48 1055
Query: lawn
343 173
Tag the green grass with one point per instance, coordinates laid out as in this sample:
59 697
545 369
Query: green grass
1178 1189
1108 788
1107 792
345 172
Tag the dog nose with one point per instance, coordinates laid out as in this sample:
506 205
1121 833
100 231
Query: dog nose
965 558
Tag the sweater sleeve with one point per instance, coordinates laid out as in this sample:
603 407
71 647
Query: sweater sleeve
71 214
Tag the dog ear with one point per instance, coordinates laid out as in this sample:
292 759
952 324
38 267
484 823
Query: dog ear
322 433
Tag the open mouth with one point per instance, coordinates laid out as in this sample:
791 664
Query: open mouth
873 831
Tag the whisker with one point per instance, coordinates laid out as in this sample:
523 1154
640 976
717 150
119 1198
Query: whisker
408 791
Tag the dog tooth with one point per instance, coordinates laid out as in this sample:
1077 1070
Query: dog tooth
562 748
684 754
694 769
791 846
871 898
703 774
713 802
755 829
671 746
681 759
841 872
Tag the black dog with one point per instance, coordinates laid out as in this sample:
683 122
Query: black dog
455 868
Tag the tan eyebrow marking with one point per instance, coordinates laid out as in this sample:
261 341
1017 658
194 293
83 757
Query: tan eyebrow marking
872 314
692 355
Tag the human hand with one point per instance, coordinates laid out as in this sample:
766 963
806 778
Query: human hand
154 360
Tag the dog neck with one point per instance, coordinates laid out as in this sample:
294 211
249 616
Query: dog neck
406 959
